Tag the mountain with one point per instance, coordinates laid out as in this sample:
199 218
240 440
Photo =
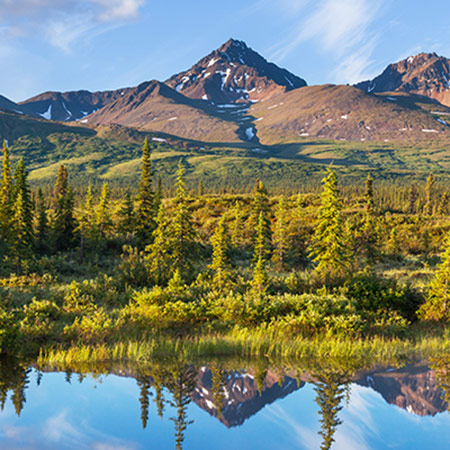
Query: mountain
8 105
14 127
69 106
154 106
425 74
234 73
346 113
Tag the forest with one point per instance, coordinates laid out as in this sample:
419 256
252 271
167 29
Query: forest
116 272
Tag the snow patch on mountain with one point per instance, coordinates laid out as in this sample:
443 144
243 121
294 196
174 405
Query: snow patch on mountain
48 114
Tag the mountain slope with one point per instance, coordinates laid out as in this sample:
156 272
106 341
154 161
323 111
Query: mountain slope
69 106
153 106
234 73
343 113
424 74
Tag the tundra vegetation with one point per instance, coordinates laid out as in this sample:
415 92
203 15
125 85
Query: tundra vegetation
132 273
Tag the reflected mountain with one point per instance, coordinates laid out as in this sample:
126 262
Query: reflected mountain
413 388
241 397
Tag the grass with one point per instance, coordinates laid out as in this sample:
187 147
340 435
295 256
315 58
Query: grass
246 344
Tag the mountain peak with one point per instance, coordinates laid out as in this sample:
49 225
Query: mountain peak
234 73
426 74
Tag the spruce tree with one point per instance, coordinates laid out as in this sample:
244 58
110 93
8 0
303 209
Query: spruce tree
221 262
238 227
42 228
182 233
6 199
159 258
103 217
260 280
22 234
443 204
260 207
368 235
280 235
369 197
437 305
296 232
64 222
158 195
22 221
412 201
145 223
330 248
127 215
429 191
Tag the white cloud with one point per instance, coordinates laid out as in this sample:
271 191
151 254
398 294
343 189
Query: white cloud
119 9
341 29
357 65
63 22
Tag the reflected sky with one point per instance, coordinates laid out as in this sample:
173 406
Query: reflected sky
105 414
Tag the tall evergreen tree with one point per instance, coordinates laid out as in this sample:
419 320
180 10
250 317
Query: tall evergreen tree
261 206
6 199
42 228
280 235
221 262
145 223
127 216
64 222
22 235
297 244
159 194
429 192
182 233
369 197
330 248
103 219
368 236
22 221
412 200
443 204
159 258
437 305
237 237
260 280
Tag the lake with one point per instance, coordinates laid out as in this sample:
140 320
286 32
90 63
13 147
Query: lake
174 405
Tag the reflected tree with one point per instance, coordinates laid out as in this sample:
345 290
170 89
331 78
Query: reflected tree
331 389
442 367
14 377
217 388
144 385
158 384
181 384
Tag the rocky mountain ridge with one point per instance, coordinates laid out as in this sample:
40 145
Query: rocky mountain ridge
426 74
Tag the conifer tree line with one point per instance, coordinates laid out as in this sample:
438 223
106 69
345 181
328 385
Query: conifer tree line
162 241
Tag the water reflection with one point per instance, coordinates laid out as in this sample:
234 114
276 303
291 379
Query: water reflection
230 396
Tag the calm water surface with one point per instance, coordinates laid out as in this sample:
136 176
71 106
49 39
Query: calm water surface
201 407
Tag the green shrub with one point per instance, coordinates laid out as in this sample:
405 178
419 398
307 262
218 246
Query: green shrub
40 319
372 293
8 332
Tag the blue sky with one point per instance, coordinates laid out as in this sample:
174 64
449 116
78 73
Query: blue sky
108 44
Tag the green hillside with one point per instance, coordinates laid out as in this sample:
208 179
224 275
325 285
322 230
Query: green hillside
112 153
